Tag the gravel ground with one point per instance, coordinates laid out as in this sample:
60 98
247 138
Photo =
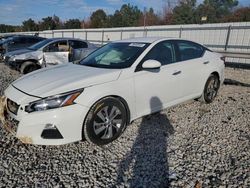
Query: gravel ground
189 145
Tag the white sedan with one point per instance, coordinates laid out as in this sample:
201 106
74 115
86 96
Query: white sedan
113 86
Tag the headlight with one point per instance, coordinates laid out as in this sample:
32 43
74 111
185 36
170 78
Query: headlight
52 102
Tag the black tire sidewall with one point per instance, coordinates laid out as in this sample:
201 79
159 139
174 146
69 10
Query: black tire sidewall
88 128
27 65
211 77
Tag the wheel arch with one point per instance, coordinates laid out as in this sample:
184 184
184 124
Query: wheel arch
34 61
216 74
123 101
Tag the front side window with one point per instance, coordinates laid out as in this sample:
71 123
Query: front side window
189 50
61 46
163 52
115 55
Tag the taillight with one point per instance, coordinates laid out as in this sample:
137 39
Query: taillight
223 58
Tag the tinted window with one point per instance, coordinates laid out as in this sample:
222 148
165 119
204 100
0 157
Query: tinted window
32 40
162 52
78 44
19 40
189 50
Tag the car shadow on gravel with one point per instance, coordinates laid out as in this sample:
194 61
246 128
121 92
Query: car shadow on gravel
147 162
235 82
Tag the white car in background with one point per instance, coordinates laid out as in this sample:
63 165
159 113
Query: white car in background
123 80
49 52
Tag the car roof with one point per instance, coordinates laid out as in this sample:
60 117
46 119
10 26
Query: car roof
66 38
144 39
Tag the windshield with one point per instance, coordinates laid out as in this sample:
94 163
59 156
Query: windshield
40 44
115 55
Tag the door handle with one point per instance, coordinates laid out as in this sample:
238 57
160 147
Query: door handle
206 62
177 72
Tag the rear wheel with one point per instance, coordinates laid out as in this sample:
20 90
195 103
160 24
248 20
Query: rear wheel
28 67
105 121
211 89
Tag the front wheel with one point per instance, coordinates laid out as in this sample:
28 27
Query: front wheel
105 121
28 67
211 89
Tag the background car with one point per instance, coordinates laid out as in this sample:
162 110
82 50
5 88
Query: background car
48 52
116 84
15 42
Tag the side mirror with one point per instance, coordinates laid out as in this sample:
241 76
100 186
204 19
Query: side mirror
151 64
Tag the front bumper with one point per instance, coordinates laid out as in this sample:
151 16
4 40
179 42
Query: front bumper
31 126
13 64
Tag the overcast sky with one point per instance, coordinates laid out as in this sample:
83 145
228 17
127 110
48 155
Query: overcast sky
13 12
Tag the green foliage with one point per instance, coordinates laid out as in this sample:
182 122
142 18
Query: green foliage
221 7
98 19
30 25
8 28
72 24
127 16
240 15
184 13
47 24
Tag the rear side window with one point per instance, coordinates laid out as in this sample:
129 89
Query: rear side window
189 50
78 44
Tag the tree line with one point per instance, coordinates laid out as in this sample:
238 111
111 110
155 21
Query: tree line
182 12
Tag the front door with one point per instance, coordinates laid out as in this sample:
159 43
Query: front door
56 53
157 88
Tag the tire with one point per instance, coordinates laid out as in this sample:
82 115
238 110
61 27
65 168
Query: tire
211 89
28 67
105 121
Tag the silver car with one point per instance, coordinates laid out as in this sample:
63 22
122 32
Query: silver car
48 52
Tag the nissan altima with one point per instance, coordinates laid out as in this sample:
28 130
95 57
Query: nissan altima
121 81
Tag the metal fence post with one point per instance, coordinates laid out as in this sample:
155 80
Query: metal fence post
62 34
73 34
121 33
180 32
52 34
228 36
102 36
86 35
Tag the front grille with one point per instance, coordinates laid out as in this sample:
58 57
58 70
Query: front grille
12 106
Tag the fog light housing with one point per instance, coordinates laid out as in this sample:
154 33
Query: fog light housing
50 131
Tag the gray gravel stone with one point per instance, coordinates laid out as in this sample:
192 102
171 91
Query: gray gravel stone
178 147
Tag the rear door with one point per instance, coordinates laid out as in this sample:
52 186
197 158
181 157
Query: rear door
192 66
79 49
56 53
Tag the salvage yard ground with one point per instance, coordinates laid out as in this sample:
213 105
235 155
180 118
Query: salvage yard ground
183 146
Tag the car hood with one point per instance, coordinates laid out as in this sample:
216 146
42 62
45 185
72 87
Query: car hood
63 78
18 52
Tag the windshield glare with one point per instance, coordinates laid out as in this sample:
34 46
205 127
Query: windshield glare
115 55
40 44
